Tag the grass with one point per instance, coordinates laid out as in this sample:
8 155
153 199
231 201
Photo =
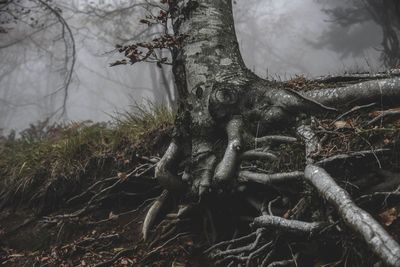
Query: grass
49 162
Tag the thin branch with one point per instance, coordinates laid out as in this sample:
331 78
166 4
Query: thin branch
71 58
382 114
354 109
356 154
310 100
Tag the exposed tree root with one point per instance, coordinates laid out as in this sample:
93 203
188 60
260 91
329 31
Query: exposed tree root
239 184
288 226
357 219
269 179
227 167
153 212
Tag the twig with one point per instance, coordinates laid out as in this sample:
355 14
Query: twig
390 112
311 100
378 195
77 197
231 242
154 251
351 155
354 109
120 254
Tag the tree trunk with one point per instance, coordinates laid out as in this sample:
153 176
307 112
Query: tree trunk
225 113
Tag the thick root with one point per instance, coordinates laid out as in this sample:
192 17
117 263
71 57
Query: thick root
377 239
152 214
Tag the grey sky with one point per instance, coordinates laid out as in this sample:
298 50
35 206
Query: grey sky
280 38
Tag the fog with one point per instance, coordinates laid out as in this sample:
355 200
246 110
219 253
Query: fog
278 39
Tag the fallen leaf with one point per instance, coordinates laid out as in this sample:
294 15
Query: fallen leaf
122 176
340 124
389 216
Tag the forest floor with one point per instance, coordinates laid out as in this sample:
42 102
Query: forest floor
51 171
77 194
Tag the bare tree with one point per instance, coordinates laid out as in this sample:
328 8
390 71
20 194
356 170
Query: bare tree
28 25
385 13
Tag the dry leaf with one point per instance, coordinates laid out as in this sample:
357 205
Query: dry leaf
122 176
340 124
389 216
386 141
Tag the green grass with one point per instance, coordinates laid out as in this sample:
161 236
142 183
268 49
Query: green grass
48 162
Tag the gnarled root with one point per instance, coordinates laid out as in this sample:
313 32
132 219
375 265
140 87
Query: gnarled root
152 214
163 170
288 226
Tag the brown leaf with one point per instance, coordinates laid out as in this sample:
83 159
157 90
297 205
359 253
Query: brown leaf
340 124
389 216
122 175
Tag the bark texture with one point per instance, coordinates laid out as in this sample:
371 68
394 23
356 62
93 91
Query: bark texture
228 117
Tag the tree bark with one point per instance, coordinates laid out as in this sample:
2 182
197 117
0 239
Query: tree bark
225 111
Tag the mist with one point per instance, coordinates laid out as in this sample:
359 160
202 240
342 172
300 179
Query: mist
278 40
